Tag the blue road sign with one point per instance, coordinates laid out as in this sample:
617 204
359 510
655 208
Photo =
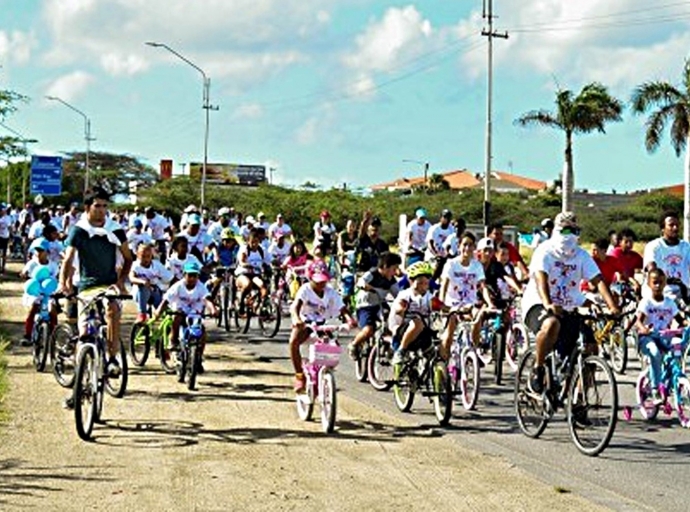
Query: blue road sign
46 175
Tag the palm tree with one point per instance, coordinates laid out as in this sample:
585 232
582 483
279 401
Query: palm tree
672 106
588 111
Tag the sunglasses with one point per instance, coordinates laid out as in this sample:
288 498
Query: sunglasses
570 231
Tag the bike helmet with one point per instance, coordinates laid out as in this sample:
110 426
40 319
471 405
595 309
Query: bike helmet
419 269
191 268
226 234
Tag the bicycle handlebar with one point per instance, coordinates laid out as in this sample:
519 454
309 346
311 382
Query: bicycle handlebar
327 329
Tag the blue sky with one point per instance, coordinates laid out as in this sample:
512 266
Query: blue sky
340 91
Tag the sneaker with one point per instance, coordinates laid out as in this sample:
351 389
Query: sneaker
300 383
200 368
398 357
25 341
536 381
68 403
580 416
354 351
113 369
657 399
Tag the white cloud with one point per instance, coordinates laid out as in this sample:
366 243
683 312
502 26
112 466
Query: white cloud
249 111
17 46
70 86
117 64
317 127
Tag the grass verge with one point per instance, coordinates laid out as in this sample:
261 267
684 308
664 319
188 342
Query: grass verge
4 381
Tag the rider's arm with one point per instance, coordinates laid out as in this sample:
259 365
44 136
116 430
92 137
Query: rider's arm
605 293
137 280
642 328
295 310
542 282
67 268
444 289
486 295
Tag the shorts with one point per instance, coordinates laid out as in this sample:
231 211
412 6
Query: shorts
83 312
368 316
423 341
571 325
4 242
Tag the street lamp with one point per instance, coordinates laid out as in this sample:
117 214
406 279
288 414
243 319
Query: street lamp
426 170
206 106
24 142
87 136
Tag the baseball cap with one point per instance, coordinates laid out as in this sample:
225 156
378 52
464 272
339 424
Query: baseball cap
547 222
249 219
40 244
318 272
224 211
137 223
260 214
325 213
226 234
191 208
191 268
486 243
194 219
420 213
60 207
565 220
446 214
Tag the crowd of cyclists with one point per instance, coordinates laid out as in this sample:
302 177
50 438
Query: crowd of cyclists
354 275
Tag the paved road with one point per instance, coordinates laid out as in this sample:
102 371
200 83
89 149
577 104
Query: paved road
632 474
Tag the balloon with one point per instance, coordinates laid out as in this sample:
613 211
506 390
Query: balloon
49 286
41 273
33 287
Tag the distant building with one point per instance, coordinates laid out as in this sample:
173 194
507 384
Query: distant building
463 180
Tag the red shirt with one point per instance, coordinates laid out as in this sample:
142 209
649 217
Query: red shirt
608 268
628 262
513 253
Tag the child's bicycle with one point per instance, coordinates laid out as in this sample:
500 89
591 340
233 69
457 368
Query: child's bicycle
582 384
150 333
225 297
674 386
41 334
265 309
463 363
91 379
189 352
324 356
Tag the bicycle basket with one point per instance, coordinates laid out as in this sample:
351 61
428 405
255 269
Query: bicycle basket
324 354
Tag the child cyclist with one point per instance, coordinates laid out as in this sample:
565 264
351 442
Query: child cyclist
250 265
225 257
655 313
409 316
316 301
187 297
38 264
149 277
180 256
295 266
372 289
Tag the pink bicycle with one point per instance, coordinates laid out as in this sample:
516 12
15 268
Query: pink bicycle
324 356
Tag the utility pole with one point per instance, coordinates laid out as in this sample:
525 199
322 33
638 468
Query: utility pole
488 14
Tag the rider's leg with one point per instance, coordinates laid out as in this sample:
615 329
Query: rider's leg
546 338
29 322
649 348
448 336
175 334
112 317
414 329
142 294
298 335
243 287
366 318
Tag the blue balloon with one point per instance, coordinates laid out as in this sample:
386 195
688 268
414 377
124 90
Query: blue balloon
41 273
33 287
49 286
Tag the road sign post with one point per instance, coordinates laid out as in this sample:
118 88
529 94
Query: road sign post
46 175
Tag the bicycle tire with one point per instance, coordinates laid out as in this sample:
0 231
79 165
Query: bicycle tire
470 379
529 409
379 367
499 356
362 363
41 346
686 360
517 343
443 393
168 358
269 318
139 343
579 421
643 392
85 390
329 400
403 392
617 350
62 341
193 366
117 387
226 314
305 401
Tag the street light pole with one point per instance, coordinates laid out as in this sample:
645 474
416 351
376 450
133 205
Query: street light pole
87 136
206 106
24 141
426 170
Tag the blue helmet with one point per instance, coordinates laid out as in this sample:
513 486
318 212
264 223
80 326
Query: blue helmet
40 244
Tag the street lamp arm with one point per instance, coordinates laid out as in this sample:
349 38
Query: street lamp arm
55 98
179 56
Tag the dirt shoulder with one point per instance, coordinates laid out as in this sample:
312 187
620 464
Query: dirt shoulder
236 444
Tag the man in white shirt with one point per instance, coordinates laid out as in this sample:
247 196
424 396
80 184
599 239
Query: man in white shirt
215 230
280 224
159 228
435 239
670 254
415 237
553 293
58 220
6 229
191 209
261 221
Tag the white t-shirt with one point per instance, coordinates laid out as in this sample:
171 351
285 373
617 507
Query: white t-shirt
419 234
187 301
438 234
5 225
279 253
463 285
253 264
416 304
674 260
451 245
215 231
324 229
285 229
36 230
564 277
245 230
135 239
200 241
33 265
658 314
318 309
156 273
134 216
175 264
156 226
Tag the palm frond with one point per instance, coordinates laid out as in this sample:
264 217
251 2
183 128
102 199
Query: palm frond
655 127
593 108
654 94
680 128
538 118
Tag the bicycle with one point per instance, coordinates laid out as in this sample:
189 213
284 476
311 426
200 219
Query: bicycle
91 378
265 309
423 368
380 353
63 345
517 337
324 356
41 333
151 333
225 297
189 352
582 384
611 338
492 345
674 386
463 363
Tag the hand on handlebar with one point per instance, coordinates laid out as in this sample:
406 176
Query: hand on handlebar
554 309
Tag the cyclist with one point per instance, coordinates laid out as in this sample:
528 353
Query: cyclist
452 243
159 228
6 229
279 249
415 237
225 256
186 297
347 241
435 239
97 242
137 236
655 313
557 268
282 225
36 229
250 264
179 257
38 261
316 301
370 245
295 266
372 289
496 232
149 277
629 260
217 228
409 316
324 233
670 254
261 221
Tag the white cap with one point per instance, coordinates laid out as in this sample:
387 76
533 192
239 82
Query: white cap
224 211
249 219
486 243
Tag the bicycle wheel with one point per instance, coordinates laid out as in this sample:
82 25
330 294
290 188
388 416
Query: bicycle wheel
499 355
469 379
517 342
193 366
41 346
379 367
329 403
362 363
403 391
682 401
62 355
168 358
85 392
686 360
269 317
305 401
617 349
225 304
181 366
116 387
139 343
529 408
643 392
592 406
443 393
